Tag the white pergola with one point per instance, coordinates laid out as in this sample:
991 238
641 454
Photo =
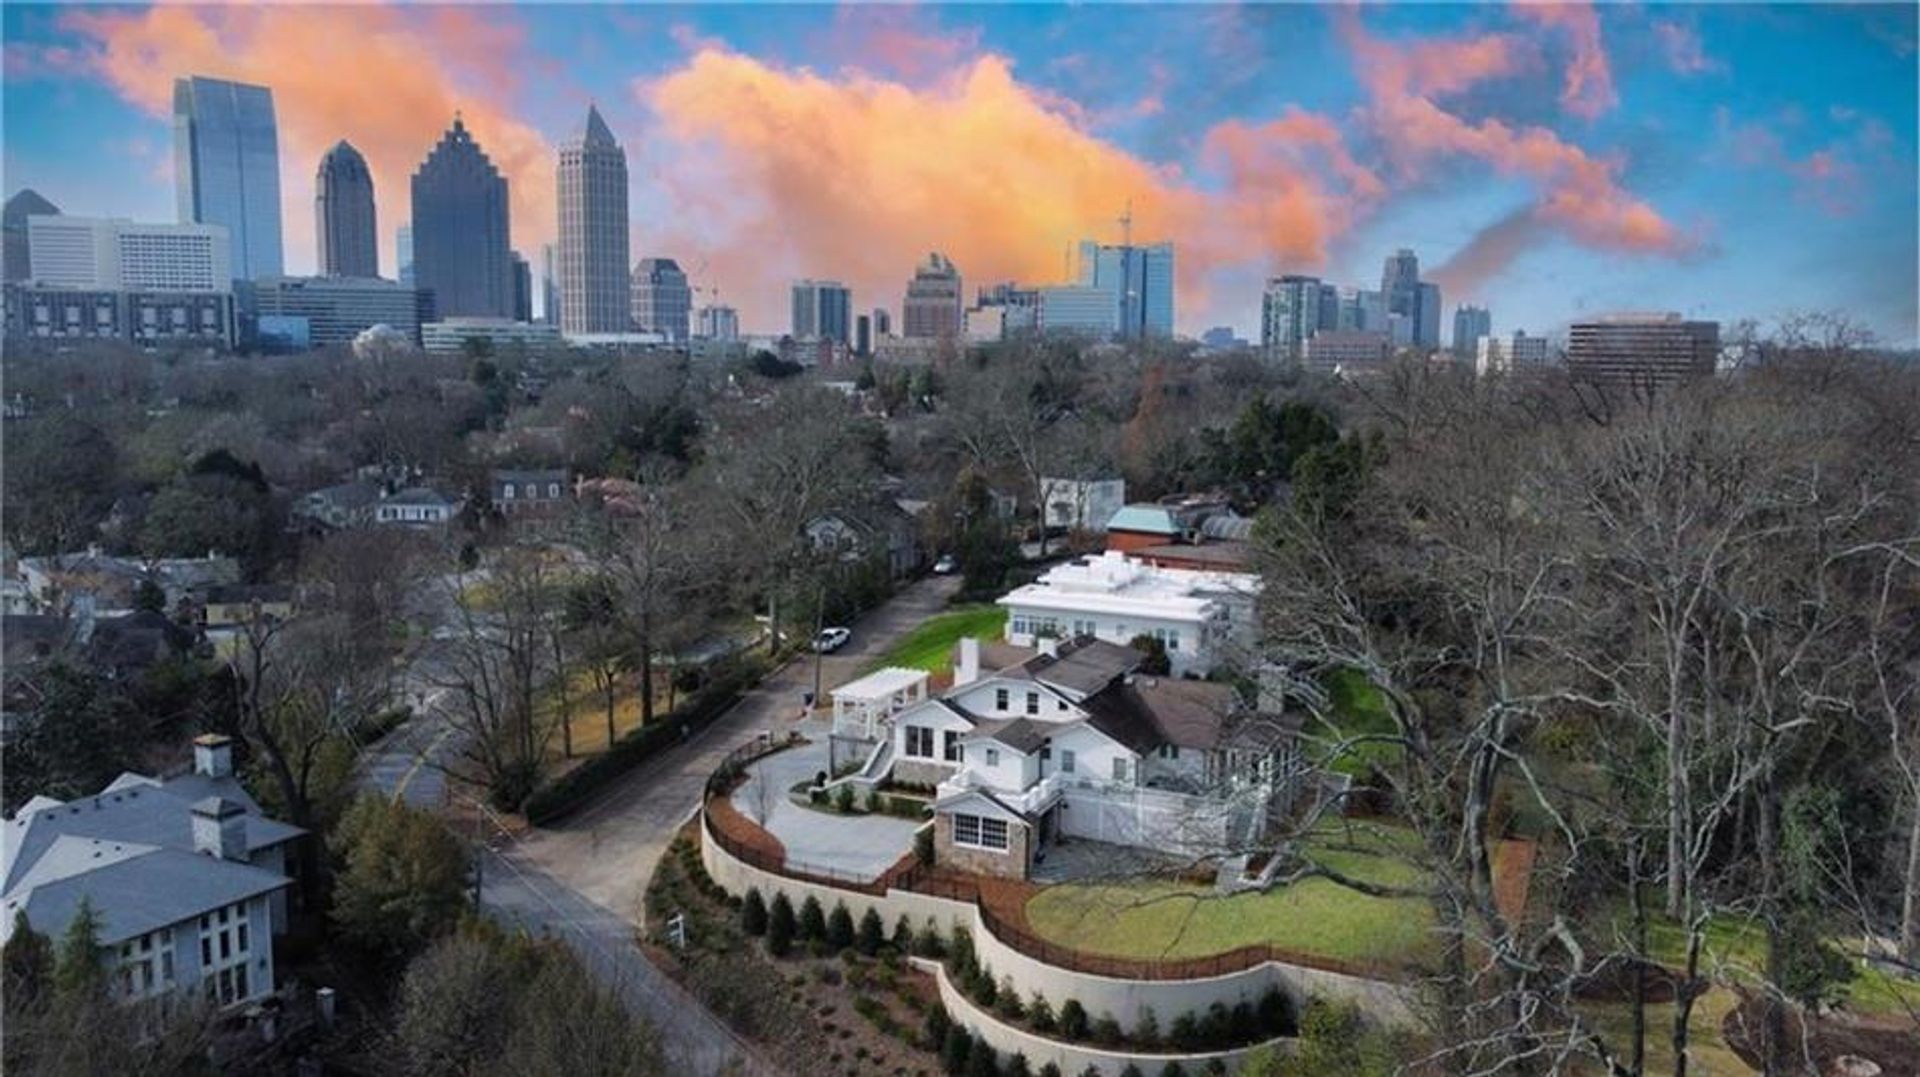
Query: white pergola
861 707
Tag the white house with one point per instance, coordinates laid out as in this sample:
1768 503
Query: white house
1199 616
187 877
1070 741
418 506
1082 504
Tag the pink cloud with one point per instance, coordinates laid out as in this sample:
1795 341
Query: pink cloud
1683 51
1829 178
1588 88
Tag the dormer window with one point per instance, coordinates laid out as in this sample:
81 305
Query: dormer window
1000 699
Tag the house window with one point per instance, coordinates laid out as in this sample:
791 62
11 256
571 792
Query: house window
1120 768
553 489
1033 703
993 757
980 832
919 741
1169 751
506 492
1066 761
952 747
999 699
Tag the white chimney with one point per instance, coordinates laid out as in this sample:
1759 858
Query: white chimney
1049 646
213 755
967 670
219 828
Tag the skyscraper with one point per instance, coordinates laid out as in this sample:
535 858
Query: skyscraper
593 231
19 256
226 162
662 299
1141 280
1427 327
1400 285
403 253
343 217
522 287
934 301
1469 325
822 310
1290 315
720 323
549 284
460 230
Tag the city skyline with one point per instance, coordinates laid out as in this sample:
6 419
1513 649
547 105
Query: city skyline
1561 165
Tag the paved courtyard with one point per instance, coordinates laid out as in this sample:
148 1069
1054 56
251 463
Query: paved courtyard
862 846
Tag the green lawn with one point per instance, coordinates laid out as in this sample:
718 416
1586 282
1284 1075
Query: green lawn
1357 707
930 646
1150 919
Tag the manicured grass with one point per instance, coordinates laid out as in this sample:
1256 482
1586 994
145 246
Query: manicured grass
930 646
1161 919
1357 708
1707 1050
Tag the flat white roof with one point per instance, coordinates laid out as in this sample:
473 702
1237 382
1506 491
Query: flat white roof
881 684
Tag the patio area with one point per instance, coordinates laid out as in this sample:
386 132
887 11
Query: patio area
860 846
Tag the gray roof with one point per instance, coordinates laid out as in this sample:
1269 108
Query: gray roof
1023 735
420 495
133 888
132 811
538 475
1084 665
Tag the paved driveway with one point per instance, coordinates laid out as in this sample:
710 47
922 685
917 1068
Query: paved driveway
863 846
607 850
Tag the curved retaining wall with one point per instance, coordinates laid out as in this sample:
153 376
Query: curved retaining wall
1125 999
1073 1058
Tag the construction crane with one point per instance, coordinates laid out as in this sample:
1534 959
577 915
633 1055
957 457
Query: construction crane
1126 225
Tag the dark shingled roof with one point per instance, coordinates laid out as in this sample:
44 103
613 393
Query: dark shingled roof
1084 665
1023 735
1120 713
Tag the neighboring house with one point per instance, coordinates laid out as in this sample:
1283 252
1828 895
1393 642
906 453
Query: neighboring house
886 524
361 502
1072 742
531 493
416 506
237 604
1201 617
1082 504
55 582
188 878
1201 533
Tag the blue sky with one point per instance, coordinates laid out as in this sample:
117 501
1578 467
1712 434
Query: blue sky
1725 160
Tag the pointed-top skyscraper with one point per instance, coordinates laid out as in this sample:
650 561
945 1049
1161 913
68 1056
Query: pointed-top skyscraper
460 230
343 216
594 295
24 203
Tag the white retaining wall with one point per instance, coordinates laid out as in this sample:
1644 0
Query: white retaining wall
1389 1003
1072 1058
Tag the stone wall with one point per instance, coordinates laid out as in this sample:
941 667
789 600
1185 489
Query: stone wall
1011 864
921 772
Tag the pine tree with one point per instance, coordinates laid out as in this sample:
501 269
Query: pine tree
872 934
80 975
780 926
813 920
840 927
753 913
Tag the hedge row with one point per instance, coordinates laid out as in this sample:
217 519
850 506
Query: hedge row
565 793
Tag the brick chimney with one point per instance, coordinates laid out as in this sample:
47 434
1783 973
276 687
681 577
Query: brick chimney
213 755
219 828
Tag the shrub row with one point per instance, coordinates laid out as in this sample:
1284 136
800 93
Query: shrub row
565 793
1219 1027
846 802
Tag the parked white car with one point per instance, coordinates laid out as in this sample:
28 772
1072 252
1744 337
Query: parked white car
945 566
831 639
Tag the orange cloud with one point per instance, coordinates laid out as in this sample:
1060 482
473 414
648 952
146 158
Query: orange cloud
385 79
857 177
1588 87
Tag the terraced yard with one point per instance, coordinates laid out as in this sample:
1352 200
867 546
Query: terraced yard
1165 919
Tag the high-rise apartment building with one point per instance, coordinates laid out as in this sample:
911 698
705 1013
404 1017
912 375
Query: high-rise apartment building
343 216
110 254
460 230
719 323
403 254
594 292
226 163
1641 352
522 287
662 299
823 310
1361 309
935 299
1469 325
1292 310
1141 281
19 253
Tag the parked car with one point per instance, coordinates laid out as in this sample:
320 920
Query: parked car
832 639
946 566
